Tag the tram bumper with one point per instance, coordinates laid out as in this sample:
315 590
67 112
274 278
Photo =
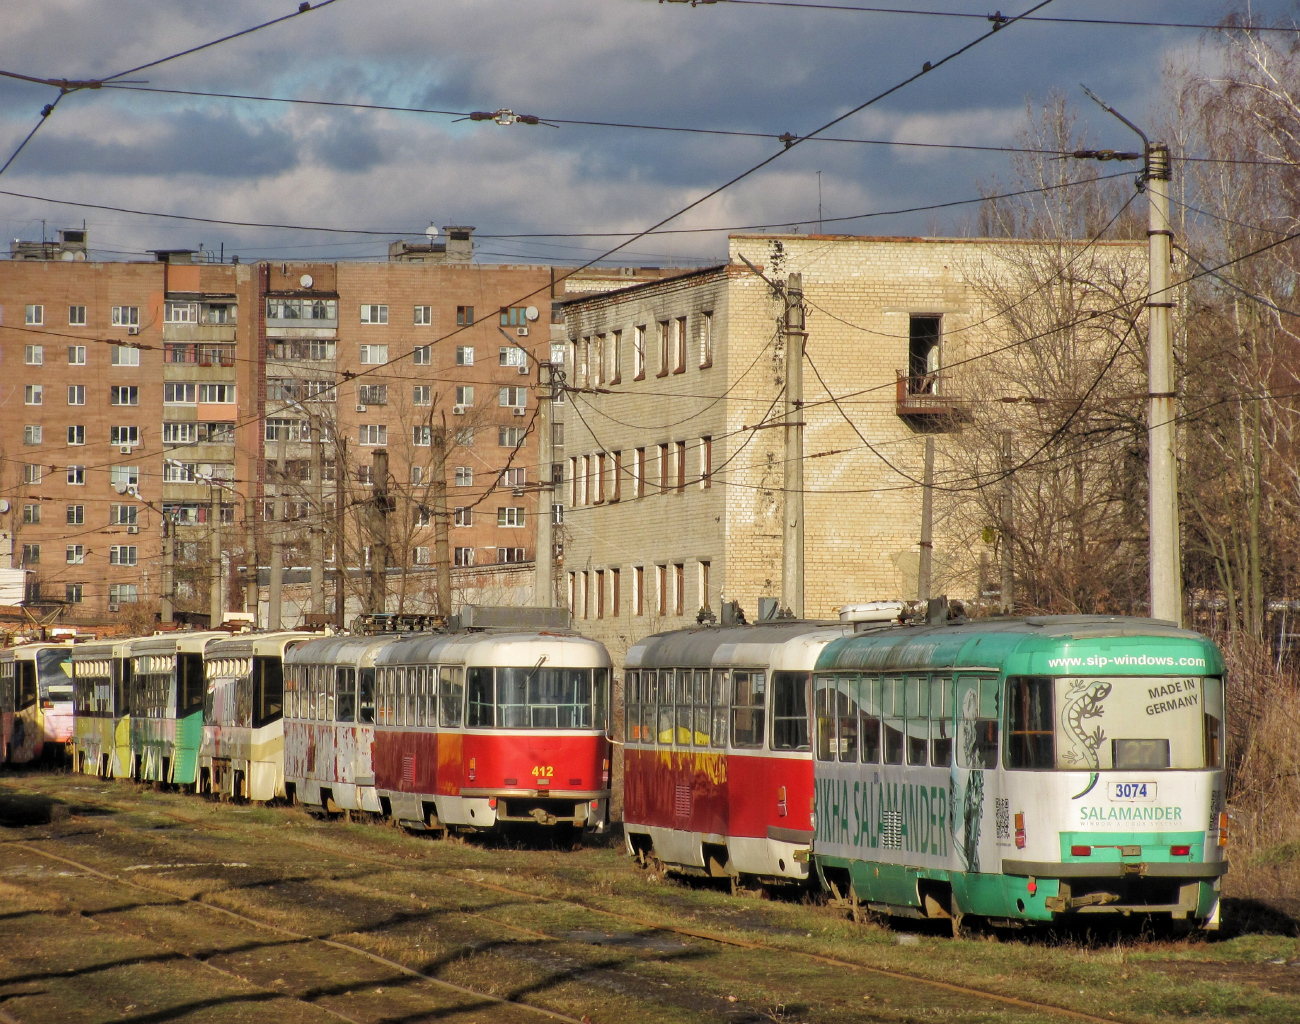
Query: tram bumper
1180 889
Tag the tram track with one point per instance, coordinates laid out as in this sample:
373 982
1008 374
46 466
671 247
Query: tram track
465 876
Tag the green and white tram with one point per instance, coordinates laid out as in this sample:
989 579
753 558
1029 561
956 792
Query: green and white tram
1022 770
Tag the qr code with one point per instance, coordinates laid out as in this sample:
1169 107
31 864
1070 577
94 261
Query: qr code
1003 812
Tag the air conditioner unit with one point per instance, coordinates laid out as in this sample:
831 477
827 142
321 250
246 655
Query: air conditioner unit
524 369
133 330
361 408
458 410
112 607
519 410
133 529
521 332
125 449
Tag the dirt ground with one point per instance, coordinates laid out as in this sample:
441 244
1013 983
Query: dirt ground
119 903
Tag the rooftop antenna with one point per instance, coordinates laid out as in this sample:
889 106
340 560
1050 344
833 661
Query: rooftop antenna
819 202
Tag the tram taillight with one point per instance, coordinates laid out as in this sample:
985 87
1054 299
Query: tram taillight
1080 851
780 802
1180 851
1020 830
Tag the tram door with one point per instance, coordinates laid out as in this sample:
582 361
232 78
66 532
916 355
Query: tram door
980 813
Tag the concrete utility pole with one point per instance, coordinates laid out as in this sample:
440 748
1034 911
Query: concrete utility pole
379 533
927 524
544 556
278 512
317 522
792 527
340 532
215 604
166 605
250 557
1162 468
441 546
1008 528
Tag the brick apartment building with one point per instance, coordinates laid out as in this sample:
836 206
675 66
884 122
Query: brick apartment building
246 404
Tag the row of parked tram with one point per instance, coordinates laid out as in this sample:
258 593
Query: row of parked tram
1014 770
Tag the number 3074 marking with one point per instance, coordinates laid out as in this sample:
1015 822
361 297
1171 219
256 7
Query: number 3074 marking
1137 791
543 772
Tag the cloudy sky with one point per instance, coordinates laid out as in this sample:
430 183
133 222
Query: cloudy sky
736 66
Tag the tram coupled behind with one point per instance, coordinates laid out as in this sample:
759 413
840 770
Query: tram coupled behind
482 729
102 687
329 722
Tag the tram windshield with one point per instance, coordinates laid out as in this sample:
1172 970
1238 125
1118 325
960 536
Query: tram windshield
54 674
1125 723
550 698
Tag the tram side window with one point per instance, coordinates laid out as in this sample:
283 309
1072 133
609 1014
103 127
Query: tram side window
718 701
189 684
345 684
402 698
600 699
26 692
891 708
121 687
918 720
977 710
631 706
451 696
824 713
366 696
846 712
268 690
790 710
941 722
869 720
1213 703
748 698
701 697
1030 742
684 705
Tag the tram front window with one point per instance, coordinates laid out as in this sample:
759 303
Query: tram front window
54 675
1125 724
544 698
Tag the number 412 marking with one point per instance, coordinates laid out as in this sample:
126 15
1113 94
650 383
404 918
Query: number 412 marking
543 771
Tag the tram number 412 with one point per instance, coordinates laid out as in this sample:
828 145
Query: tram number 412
543 771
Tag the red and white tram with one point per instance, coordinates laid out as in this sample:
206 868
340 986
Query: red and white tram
329 722
478 729
718 771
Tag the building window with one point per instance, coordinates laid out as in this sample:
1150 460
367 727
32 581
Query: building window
512 517
372 394
123 593
32 433
616 478
616 357
128 476
679 345
126 316
582 493
557 515
510 437
638 474
372 434
76 316
423 515
421 394
665 472
34 355
464 316
32 474
302 309
180 312
423 316
125 355
661 589
513 477
124 394
77 434
706 462
124 437
511 355
180 433
179 394
557 435
72 593
465 354
505 555
638 353
420 555
217 394
417 475
33 394
123 515
615 586
374 355
706 340
35 316
598 465
31 514
465 438
679 587
76 554
464 556
123 554
422 355
374 314
638 590
76 394
665 347
31 554
464 476
179 472
600 593
76 355
365 475
76 476
463 517
514 316
706 569
679 466
516 397
286 430
465 395
421 435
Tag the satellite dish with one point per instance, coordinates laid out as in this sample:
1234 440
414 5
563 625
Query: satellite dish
305 280
431 231
4 505
531 313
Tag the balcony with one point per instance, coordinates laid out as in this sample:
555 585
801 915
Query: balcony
198 354
928 400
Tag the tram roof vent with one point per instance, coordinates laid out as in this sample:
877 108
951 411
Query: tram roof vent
873 611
